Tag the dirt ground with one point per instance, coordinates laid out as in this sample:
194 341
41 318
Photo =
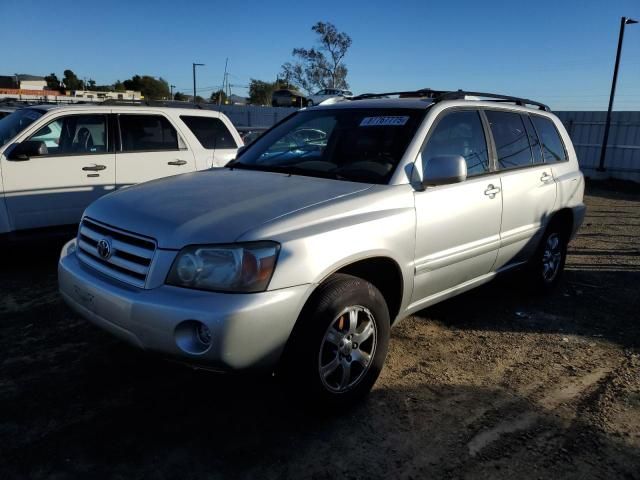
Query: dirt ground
494 383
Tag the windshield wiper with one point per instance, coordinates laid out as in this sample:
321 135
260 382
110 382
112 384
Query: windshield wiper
286 169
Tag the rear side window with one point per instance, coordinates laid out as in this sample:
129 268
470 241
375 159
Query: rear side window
210 132
460 133
552 146
147 133
510 136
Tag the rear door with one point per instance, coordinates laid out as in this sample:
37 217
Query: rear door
214 136
54 188
150 147
528 186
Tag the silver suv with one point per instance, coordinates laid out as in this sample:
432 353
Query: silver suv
299 255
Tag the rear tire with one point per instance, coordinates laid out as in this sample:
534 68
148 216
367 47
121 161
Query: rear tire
340 344
546 267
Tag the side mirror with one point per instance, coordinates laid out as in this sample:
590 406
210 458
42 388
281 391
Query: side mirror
443 170
25 150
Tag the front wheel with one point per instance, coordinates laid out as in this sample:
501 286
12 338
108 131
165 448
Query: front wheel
340 347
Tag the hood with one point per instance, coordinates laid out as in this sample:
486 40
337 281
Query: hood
213 206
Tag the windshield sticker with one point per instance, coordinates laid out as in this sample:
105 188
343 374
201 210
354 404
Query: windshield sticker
383 121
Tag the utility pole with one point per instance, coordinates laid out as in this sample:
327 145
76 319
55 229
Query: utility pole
224 80
172 87
194 79
603 151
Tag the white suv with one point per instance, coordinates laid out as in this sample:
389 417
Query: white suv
56 160
326 231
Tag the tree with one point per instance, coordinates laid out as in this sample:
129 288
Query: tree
118 86
199 99
53 83
71 81
219 97
179 96
151 88
91 84
320 67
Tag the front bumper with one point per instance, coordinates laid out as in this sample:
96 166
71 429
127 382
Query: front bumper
248 331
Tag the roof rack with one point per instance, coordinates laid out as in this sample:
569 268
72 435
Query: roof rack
422 93
462 94
152 103
440 95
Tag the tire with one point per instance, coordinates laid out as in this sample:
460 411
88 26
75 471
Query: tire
546 268
325 363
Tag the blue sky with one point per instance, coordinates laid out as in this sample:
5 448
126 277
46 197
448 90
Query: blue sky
560 52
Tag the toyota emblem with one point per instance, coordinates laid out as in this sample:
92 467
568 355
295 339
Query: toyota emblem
104 248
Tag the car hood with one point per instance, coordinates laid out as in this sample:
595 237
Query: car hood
213 206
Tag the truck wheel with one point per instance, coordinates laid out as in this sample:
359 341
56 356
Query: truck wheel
340 347
547 265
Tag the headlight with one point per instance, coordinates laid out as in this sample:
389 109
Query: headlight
226 268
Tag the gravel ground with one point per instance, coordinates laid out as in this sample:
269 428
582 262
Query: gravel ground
494 383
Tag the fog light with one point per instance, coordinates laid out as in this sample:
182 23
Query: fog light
203 333
193 337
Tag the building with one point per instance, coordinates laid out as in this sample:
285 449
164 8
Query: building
98 96
22 81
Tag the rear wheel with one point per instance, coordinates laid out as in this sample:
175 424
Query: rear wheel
339 348
547 265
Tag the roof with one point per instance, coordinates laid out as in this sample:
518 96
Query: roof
416 103
118 108
26 77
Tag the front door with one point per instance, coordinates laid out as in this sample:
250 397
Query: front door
76 167
458 225
151 148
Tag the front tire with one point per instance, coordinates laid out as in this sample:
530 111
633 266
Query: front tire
339 348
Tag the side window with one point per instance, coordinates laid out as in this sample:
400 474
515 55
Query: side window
210 132
536 148
74 135
511 140
552 146
460 133
147 133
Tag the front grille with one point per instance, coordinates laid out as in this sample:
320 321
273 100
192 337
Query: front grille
130 255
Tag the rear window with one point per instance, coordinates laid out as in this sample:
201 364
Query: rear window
552 146
147 133
210 132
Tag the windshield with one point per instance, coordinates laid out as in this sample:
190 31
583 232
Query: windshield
13 124
356 144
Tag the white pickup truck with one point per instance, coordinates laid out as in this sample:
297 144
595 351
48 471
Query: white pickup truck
55 160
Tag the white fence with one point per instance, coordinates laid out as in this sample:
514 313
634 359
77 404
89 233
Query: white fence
623 152
252 115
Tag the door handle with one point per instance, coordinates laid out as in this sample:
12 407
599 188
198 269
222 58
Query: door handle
491 191
94 168
177 162
545 177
